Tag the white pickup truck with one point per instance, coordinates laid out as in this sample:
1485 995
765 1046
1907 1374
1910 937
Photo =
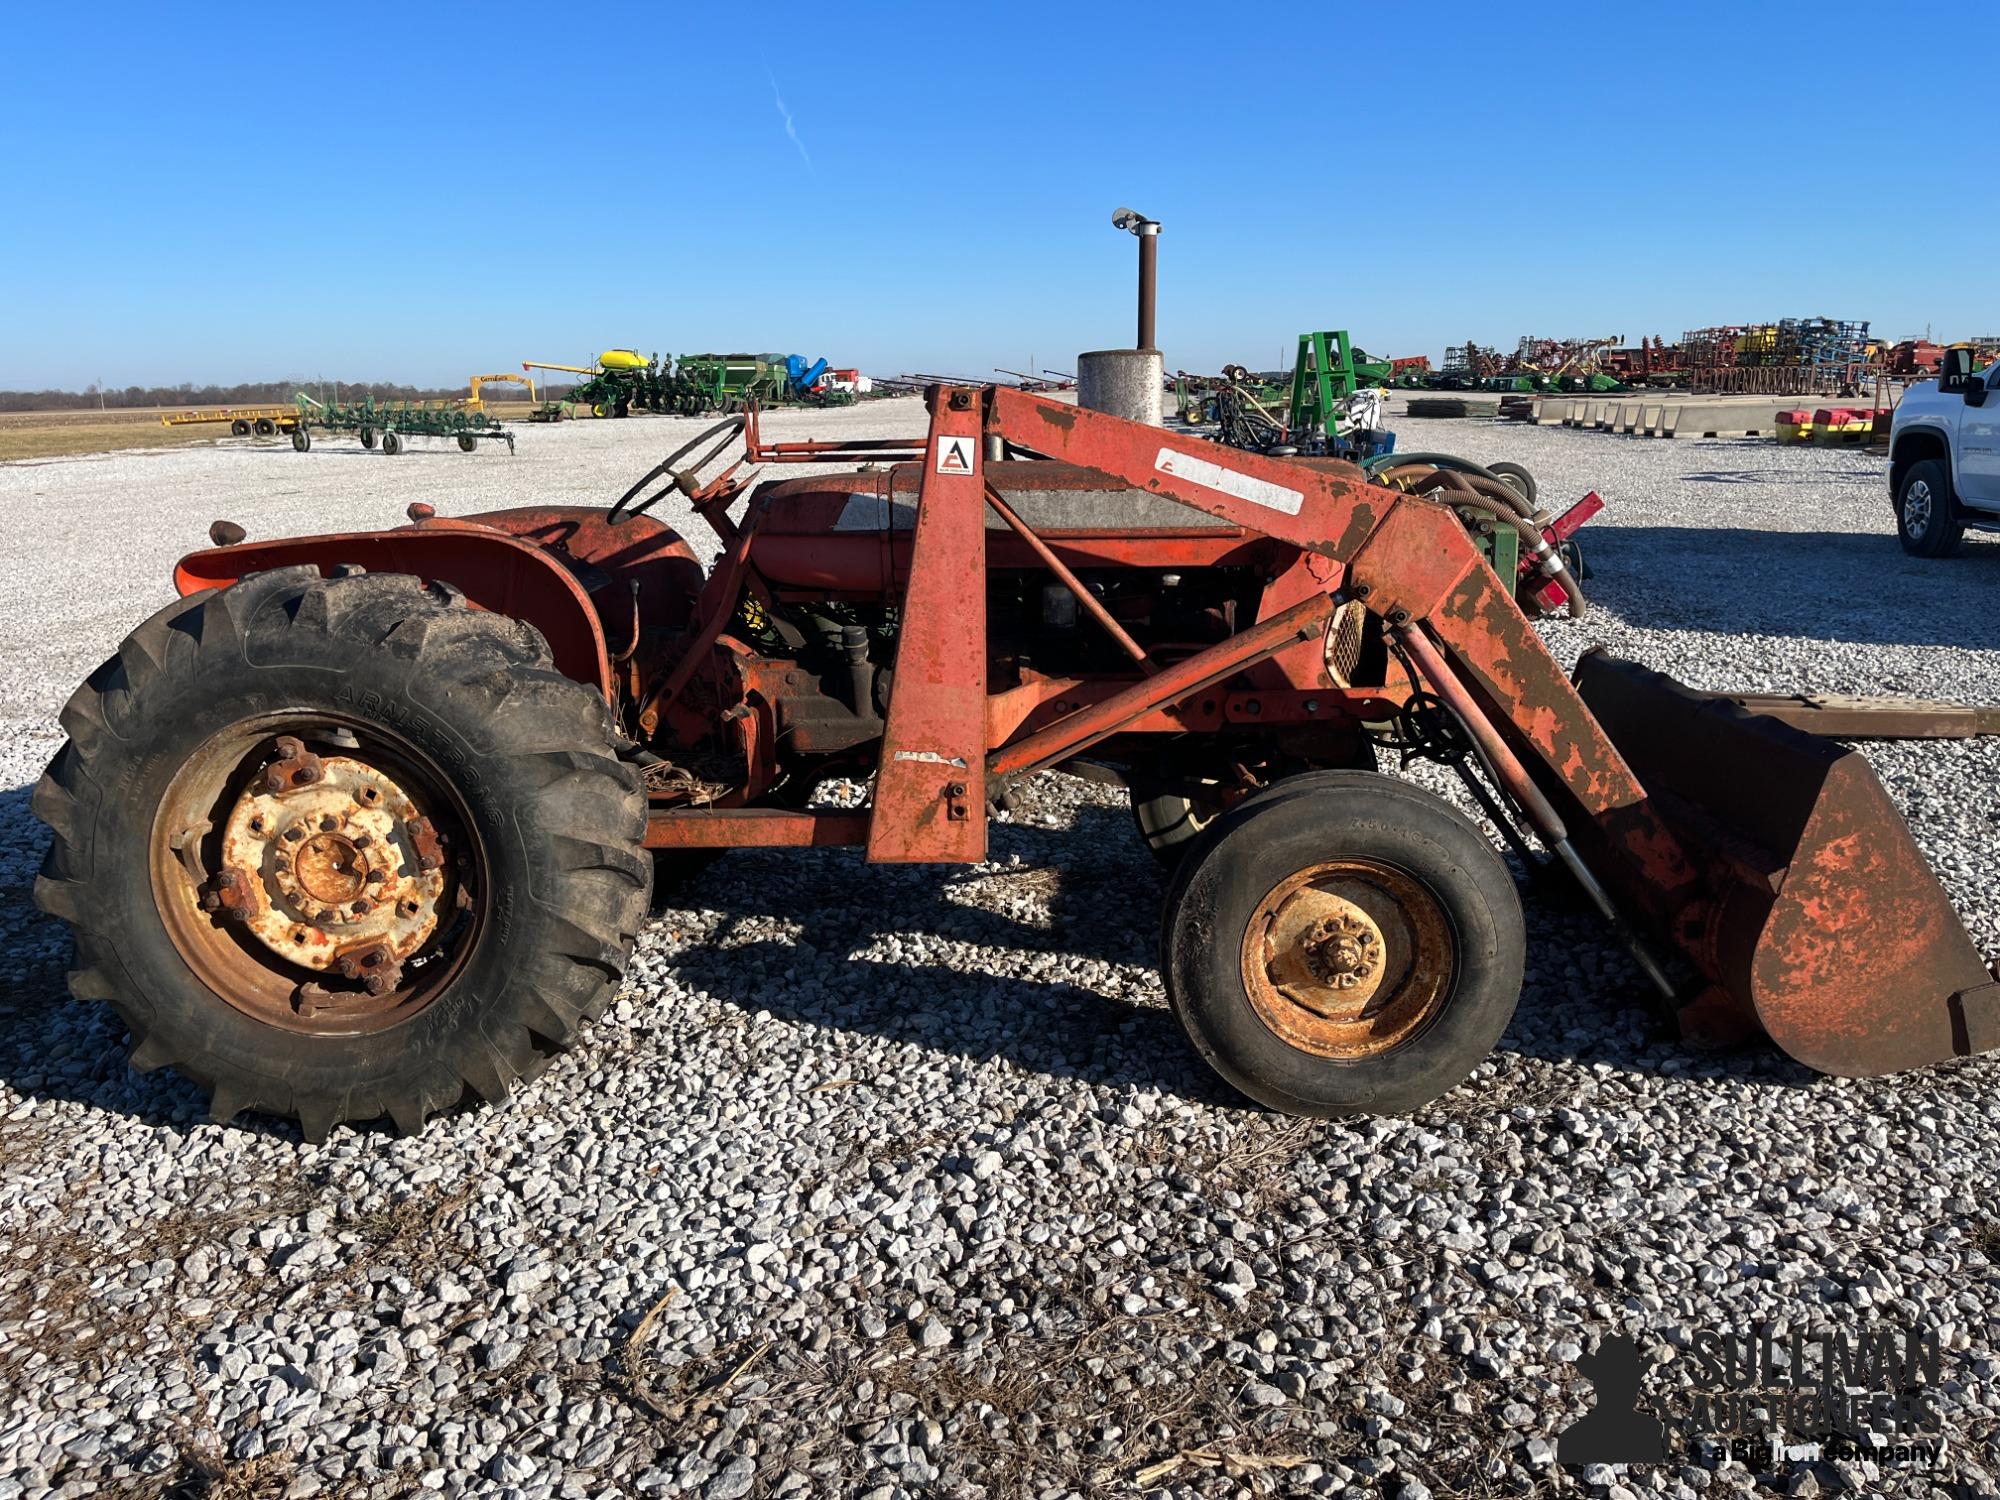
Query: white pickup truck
1944 457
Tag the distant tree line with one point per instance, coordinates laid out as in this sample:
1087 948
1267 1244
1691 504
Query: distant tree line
250 393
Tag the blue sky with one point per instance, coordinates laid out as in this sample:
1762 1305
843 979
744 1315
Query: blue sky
421 192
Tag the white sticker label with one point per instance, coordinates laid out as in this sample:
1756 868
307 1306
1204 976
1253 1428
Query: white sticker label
955 455
1243 486
932 758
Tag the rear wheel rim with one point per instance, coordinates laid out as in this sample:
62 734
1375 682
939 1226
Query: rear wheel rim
1348 958
317 875
1917 508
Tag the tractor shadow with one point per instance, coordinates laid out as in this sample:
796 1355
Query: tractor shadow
1069 987
1853 588
1045 959
1046 962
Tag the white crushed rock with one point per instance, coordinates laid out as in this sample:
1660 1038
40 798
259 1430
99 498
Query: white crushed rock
890 1182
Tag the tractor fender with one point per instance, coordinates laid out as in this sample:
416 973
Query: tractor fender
493 568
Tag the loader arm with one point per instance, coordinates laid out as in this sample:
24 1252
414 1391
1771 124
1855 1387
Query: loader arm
1772 859
1409 560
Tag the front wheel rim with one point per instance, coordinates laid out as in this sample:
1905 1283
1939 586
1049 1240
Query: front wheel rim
1348 959
1917 508
317 875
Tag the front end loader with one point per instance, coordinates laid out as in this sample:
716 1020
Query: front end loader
360 826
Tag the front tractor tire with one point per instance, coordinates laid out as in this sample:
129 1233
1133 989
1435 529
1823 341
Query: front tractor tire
1343 943
342 848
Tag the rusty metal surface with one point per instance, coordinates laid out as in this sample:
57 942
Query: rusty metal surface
754 828
1348 958
1842 717
1083 596
930 783
1077 731
337 866
302 906
493 569
1328 508
1828 927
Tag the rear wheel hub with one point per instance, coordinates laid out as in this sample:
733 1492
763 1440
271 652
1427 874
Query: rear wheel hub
334 867
331 889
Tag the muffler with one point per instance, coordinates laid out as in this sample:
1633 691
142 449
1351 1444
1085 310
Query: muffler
1823 926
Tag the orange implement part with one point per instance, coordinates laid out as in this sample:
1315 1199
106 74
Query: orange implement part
930 788
1827 927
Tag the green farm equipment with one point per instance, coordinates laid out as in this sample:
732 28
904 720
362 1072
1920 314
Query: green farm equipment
729 382
1194 399
1324 415
622 382
393 424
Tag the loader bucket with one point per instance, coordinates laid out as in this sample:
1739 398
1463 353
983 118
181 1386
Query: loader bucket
1827 927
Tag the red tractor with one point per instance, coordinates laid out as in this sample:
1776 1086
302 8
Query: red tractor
361 825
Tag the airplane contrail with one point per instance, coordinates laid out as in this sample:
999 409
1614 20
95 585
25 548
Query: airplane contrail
790 129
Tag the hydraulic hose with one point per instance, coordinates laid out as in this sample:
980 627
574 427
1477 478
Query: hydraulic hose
1456 465
1547 558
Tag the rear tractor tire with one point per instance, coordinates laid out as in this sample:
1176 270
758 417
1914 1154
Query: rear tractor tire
1343 943
342 848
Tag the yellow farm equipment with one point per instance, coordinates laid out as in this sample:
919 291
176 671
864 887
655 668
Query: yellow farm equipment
244 421
504 378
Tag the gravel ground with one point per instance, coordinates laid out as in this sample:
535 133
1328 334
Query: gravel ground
882 1182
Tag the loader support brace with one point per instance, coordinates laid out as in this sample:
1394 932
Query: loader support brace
930 789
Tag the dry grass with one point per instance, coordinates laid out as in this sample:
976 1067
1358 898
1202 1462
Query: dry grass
1081 1372
63 434
29 435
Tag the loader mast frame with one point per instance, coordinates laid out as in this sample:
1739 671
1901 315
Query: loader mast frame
1407 560
1826 929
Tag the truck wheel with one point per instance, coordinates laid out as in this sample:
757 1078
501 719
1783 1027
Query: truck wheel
1343 943
340 848
265 427
1924 522
239 428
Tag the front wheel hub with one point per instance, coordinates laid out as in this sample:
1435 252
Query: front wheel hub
332 873
1348 958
